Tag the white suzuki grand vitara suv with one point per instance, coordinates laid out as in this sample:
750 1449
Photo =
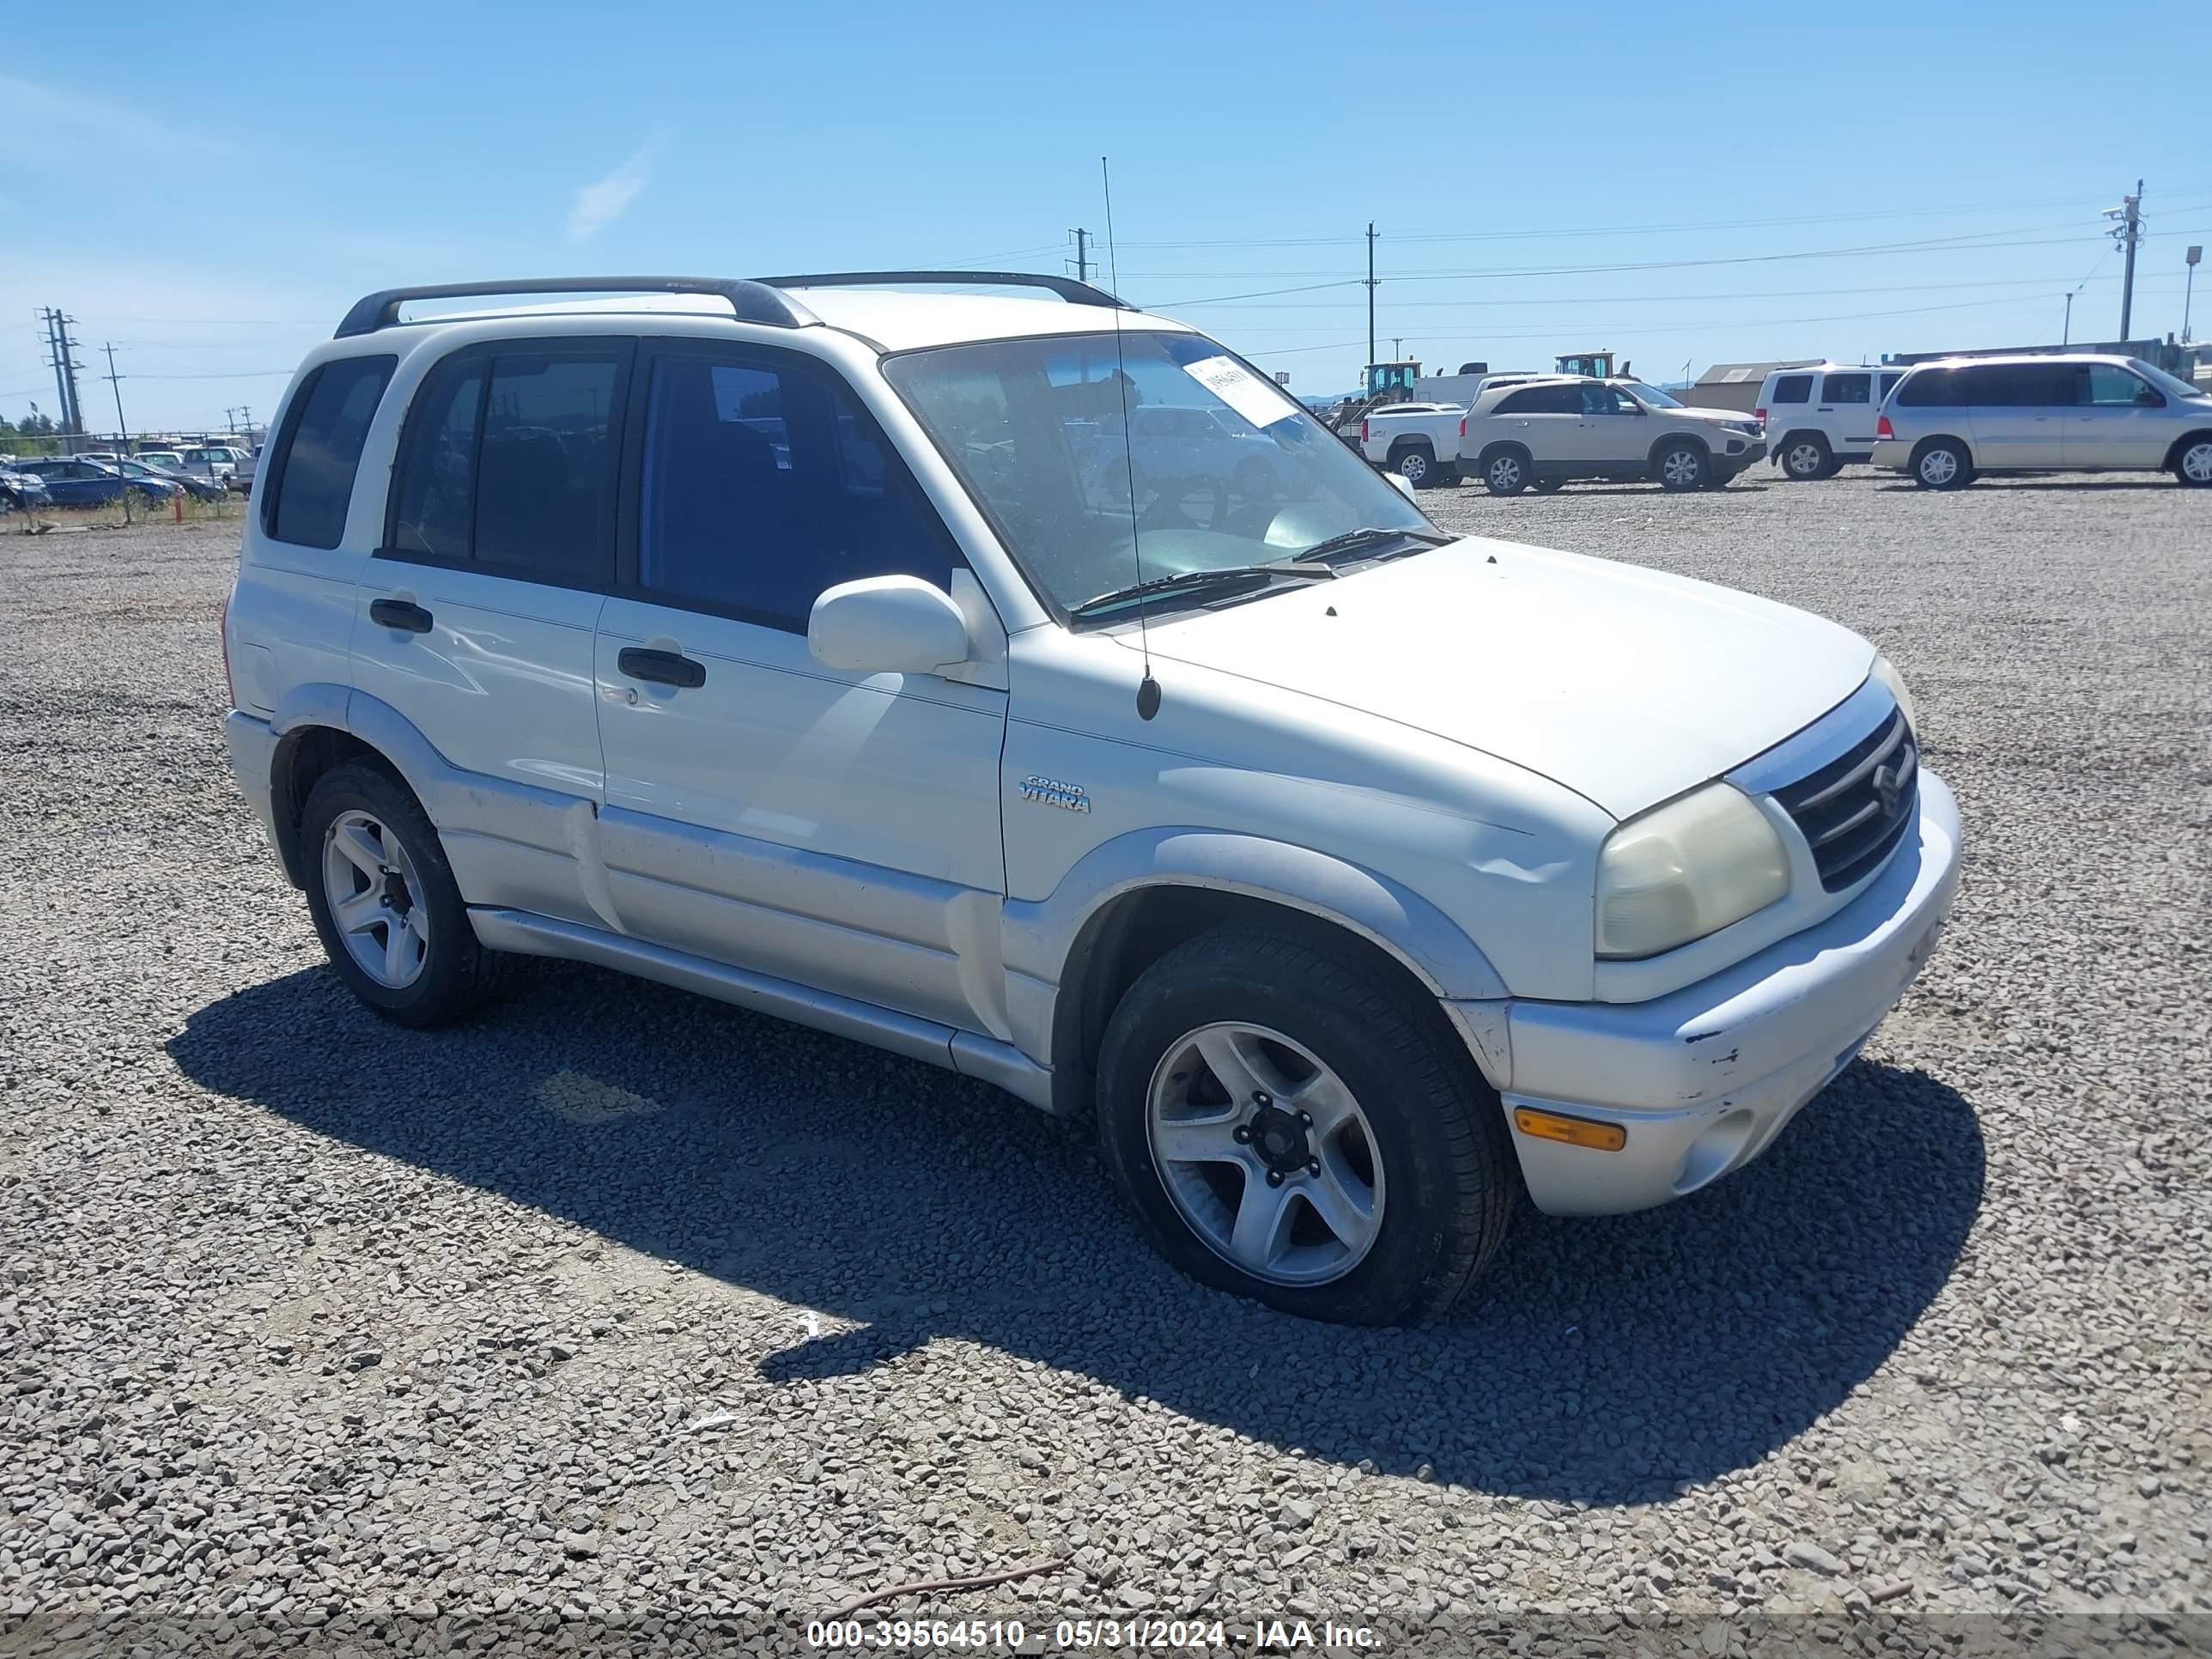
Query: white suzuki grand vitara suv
826 649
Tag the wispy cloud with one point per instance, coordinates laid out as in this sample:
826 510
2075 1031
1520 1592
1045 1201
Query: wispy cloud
70 121
600 204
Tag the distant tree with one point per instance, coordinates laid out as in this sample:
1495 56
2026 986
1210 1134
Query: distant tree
35 425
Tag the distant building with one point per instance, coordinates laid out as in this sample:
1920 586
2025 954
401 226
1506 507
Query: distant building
1735 385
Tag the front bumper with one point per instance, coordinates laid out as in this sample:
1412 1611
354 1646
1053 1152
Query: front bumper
1703 1079
1738 452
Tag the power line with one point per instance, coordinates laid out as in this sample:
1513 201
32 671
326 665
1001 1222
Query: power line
1670 228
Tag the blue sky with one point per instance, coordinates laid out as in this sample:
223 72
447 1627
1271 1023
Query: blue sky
210 198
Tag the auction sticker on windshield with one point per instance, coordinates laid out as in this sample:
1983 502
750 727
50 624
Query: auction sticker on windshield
1242 391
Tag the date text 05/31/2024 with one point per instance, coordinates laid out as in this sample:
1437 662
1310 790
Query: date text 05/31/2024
1007 1635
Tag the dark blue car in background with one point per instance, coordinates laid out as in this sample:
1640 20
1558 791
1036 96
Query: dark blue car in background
91 484
21 491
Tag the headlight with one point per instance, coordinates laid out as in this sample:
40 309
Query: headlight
1685 870
1886 671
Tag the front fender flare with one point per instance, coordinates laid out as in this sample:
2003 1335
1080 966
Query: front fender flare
1043 936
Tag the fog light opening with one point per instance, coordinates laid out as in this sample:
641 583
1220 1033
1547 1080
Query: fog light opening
1712 1152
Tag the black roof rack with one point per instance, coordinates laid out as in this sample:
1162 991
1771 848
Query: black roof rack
1075 293
752 302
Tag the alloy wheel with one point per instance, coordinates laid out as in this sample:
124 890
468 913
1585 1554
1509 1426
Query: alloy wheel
1938 467
2196 462
375 899
1264 1154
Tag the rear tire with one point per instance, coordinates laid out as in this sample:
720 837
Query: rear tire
1681 465
1505 472
1416 465
375 868
1806 457
1942 464
1403 1142
2193 465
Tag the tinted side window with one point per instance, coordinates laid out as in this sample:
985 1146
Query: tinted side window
1542 400
2018 386
545 466
1889 385
1931 388
763 483
508 459
437 462
1847 389
310 482
1794 389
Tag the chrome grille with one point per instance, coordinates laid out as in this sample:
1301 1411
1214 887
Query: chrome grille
1854 810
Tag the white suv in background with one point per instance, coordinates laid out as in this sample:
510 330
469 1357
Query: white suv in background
1554 430
773 639
1820 419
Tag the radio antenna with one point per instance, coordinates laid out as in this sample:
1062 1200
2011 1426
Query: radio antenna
1148 690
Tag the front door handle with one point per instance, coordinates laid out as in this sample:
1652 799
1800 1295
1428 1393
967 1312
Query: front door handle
403 614
661 667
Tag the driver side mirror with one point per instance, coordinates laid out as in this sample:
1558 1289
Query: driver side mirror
887 625
2149 398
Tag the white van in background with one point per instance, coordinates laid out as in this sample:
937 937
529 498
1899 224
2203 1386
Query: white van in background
1820 419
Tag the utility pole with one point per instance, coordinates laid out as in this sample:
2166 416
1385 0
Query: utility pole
115 383
1082 254
2129 230
2189 293
1370 293
1397 347
122 432
2066 335
61 351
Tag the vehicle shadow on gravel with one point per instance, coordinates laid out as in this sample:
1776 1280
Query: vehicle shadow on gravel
1603 1360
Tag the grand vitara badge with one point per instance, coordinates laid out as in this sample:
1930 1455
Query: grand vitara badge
1051 791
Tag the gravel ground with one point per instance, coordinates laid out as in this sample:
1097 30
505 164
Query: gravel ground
624 1314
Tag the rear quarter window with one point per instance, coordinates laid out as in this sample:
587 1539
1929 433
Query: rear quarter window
1793 389
1931 388
311 477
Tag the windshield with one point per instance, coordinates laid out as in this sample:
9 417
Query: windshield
2173 387
1651 395
1225 470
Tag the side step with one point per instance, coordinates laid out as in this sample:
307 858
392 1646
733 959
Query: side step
965 1052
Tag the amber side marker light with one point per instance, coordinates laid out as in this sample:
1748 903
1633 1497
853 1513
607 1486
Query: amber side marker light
1575 1131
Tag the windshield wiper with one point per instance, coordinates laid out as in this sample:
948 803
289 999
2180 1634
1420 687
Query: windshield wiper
1231 576
1366 536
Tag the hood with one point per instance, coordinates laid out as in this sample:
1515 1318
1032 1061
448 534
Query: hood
1626 685
1698 412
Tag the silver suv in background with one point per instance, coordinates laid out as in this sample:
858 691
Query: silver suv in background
1950 421
1562 428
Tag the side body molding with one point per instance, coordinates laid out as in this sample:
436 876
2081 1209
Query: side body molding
1041 935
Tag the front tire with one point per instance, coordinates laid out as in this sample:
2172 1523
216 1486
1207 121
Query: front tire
385 903
1416 466
1289 1125
1942 464
2193 466
1682 465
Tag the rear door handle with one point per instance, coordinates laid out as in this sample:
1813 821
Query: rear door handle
661 667
403 614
